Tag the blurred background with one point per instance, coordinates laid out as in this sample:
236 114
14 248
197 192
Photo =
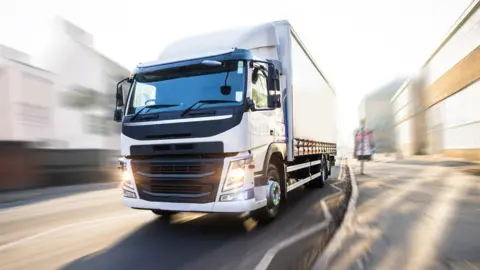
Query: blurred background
395 65
407 71
56 109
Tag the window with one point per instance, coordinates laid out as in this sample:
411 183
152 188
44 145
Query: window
259 92
145 94
182 86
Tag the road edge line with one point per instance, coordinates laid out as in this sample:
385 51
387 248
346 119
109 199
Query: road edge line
339 237
270 254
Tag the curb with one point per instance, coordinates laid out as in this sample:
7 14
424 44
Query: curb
339 237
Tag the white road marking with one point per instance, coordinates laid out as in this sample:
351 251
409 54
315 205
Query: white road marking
64 227
268 257
359 264
471 265
337 188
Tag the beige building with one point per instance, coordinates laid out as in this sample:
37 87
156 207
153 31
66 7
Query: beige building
436 111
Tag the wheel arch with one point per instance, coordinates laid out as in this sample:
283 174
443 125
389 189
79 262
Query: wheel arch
276 155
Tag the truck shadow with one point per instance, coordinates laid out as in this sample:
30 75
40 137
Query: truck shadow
211 241
161 245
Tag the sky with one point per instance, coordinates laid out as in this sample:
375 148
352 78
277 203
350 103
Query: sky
359 45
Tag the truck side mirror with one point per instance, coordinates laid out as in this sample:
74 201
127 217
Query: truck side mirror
119 95
273 81
271 77
118 115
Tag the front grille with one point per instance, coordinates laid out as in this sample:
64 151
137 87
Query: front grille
175 168
170 180
179 187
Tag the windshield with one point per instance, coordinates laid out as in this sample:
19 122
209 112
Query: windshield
181 87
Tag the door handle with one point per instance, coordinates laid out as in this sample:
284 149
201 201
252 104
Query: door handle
272 132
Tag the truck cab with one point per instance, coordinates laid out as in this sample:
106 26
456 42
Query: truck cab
195 133
213 127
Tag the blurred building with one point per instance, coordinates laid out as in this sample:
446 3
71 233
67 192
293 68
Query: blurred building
436 110
56 111
376 110
86 92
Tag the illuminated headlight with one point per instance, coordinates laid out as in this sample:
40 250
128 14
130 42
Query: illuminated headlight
127 181
236 173
125 176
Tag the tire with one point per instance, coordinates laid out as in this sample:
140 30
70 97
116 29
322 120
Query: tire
329 167
268 213
320 182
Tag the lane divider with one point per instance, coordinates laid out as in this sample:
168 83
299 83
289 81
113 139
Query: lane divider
270 254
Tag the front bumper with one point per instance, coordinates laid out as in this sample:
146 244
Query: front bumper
151 195
214 207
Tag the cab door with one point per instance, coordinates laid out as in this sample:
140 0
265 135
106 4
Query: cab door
262 119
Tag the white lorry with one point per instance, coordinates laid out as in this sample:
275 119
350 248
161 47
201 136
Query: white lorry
226 122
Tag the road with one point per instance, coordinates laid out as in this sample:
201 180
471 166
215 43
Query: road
93 230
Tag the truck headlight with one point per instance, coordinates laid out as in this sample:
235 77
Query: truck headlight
125 175
236 173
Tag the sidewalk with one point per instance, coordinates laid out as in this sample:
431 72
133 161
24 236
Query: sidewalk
415 214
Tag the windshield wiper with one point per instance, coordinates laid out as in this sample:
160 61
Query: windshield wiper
149 107
213 101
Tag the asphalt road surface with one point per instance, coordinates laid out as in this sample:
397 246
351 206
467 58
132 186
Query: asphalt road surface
93 230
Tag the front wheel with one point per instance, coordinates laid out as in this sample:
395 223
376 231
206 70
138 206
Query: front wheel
274 197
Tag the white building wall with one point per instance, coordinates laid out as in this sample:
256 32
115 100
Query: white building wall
464 41
27 99
457 120
403 112
33 98
36 104
5 106
68 53
453 123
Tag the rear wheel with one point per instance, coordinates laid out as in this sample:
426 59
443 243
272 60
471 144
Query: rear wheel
330 165
274 197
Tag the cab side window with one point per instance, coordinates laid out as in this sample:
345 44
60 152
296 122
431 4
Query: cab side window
259 90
